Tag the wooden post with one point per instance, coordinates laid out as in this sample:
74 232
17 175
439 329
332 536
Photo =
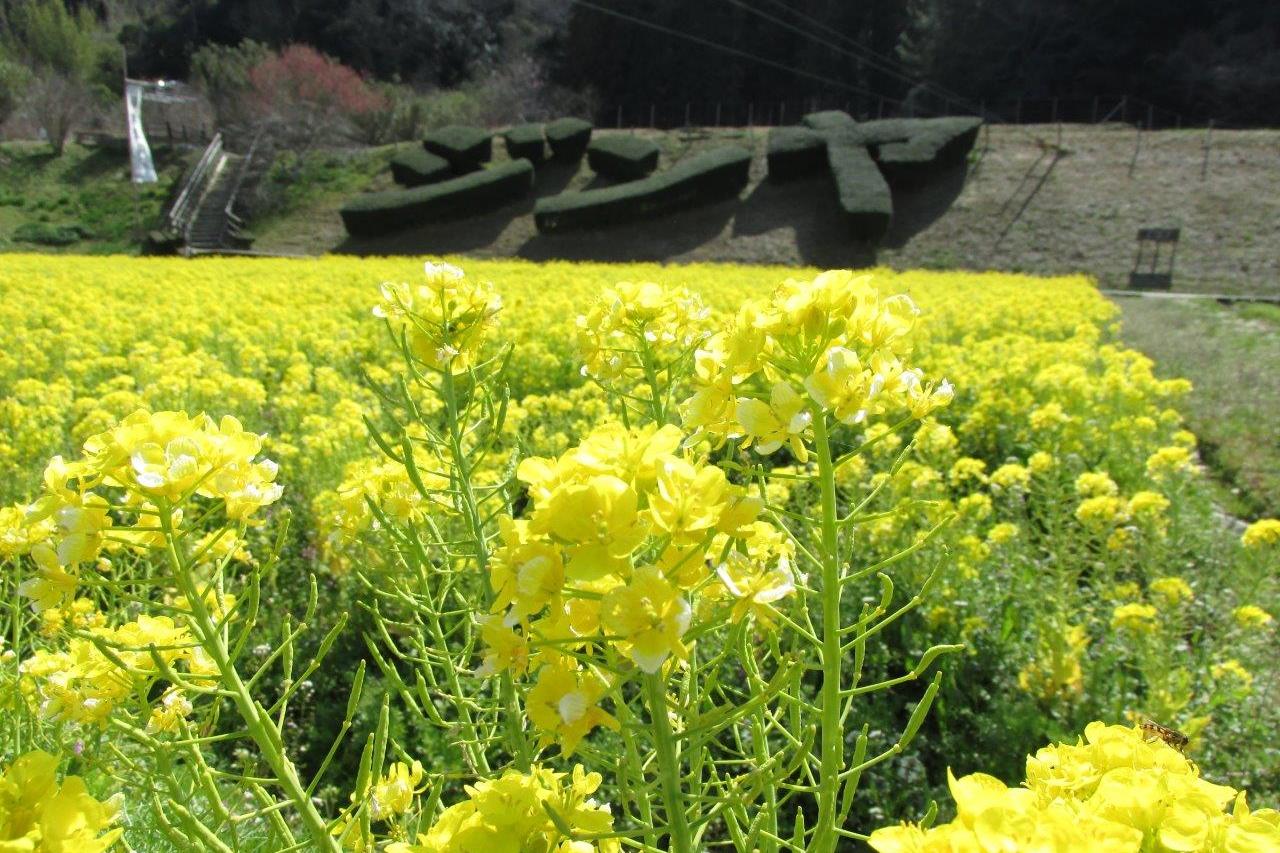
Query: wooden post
619 116
1017 112
880 108
751 112
1151 115
1054 119
686 114
717 113
1093 115
1124 108
653 113
1137 147
1208 143
782 112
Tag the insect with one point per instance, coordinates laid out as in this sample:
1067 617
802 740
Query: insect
1173 737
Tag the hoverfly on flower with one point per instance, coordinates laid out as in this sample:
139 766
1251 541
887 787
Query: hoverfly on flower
1173 737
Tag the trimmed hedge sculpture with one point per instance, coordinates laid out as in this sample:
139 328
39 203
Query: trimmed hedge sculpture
861 190
414 167
914 150
795 151
375 214
623 158
708 177
466 148
568 138
828 120
525 141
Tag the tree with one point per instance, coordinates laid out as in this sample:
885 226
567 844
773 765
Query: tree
302 96
64 54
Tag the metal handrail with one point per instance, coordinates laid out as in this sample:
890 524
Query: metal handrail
193 187
228 215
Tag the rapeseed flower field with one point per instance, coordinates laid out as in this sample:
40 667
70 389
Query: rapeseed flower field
349 554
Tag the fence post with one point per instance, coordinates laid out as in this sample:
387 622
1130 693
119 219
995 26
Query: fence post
619 116
653 114
751 111
880 108
1124 108
1054 109
1093 115
1017 112
1137 147
1151 115
686 114
782 112
717 113
1208 143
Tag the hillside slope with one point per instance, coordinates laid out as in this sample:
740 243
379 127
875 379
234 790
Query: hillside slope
1083 215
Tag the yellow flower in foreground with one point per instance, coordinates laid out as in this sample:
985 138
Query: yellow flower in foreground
1251 616
37 814
782 420
510 813
649 616
1136 618
563 705
1262 533
393 794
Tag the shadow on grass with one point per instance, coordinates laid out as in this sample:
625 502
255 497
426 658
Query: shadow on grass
456 236
808 206
917 206
652 240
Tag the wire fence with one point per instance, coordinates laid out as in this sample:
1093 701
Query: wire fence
1097 109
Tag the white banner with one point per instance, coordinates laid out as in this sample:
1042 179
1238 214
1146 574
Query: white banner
144 171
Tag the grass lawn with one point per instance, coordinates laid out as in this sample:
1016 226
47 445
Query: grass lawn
86 194
1230 354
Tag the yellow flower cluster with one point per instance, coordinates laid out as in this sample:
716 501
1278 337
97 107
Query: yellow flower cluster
445 319
638 329
85 682
160 460
39 815
1116 791
837 336
1262 534
621 534
513 812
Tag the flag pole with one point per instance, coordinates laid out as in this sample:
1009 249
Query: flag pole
128 135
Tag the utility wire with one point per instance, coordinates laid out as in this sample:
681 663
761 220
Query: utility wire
733 51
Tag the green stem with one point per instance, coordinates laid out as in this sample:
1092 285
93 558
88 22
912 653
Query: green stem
255 717
831 731
680 840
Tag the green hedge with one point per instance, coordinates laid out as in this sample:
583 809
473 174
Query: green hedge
568 138
466 148
374 214
828 120
708 177
795 151
48 234
917 149
861 190
623 158
525 141
415 166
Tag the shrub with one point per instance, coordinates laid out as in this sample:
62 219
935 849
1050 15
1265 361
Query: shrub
414 167
373 214
568 138
306 97
466 148
829 120
525 141
917 149
861 189
795 151
47 234
623 158
713 175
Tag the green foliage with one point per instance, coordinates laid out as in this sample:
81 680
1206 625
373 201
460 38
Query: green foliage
623 158
400 117
526 141
915 150
795 151
13 81
712 176
568 138
374 214
49 38
466 148
46 234
413 167
222 72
